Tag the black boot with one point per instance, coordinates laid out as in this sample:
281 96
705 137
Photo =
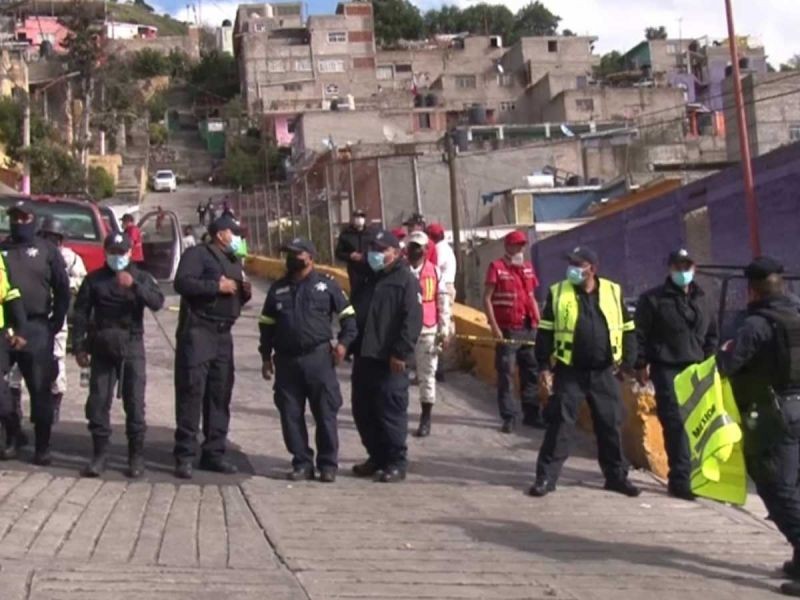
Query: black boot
41 455
135 457
424 429
57 398
11 429
97 465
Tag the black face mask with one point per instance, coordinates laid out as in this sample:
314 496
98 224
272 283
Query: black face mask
415 254
295 264
23 232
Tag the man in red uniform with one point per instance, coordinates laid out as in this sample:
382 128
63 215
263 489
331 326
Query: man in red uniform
135 236
513 315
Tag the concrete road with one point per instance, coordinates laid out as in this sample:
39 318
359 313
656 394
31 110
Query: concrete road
184 201
460 527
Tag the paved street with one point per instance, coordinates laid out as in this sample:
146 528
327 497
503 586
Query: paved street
460 527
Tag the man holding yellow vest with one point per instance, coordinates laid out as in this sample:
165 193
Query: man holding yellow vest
764 361
585 334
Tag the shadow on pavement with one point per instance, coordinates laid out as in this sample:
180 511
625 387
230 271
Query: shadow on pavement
72 448
527 537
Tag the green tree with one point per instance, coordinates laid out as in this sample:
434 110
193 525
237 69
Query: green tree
149 62
445 20
793 64
101 183
217 74
487 19
656 33
396 20
535 19
610 63
53 169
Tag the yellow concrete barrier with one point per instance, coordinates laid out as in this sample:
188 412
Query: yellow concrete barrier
642 436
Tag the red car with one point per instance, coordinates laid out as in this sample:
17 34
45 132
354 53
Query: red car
86 226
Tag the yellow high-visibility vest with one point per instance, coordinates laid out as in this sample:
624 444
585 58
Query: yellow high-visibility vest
7 293
712 422
565 318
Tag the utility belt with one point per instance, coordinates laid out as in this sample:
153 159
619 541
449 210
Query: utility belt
780 413
303 351
208 323
112 341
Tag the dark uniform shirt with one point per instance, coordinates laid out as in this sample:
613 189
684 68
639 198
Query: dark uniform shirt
296 317
754 352
104 304
197 282
592 344
389 314
354 240
675 328
41 277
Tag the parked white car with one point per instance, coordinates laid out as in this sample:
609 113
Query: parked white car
165 181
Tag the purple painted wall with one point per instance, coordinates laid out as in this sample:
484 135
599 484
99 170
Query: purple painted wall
633 245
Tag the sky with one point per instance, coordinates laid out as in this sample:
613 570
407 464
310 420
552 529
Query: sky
619 26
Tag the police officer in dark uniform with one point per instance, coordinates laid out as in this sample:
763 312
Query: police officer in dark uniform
41 277
12 321
763 362
213 289
108 329
296 324
389 318
676 327
352 249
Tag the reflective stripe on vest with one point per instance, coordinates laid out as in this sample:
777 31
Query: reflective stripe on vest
429 285
7 293
711 418
565 313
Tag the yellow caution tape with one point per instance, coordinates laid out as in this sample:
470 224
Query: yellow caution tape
491 340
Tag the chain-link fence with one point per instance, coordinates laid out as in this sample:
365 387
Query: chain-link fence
317 203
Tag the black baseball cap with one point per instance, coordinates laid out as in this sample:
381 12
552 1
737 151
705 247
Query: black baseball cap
415 219
385 239
118 242
359 212
762 267
680 257
20 206
299 245
583 254
128 217
225 222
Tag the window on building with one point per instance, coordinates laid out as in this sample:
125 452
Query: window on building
276 66
794 133
331 66
505 80
424 120
385 72
466 82
585 104
302 64
581 82
259 27
672 48
293 87
291 126
337 37
508 106
403 69
552 46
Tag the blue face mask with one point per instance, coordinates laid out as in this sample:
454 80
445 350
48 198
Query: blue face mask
118 262
234 245
376 260
682 278
575 275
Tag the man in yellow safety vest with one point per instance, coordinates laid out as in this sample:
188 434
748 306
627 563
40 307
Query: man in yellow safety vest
586 331
764 361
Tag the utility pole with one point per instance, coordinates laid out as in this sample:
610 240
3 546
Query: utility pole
293 210
328 208
266 210
352 203
258 221
455 213
417 189
308 206
280 218
26 144
751 202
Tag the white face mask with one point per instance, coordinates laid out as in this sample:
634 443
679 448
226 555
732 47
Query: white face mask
359 222
517 259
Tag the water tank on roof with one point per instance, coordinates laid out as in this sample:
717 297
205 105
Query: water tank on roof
227 23
477 114
574 181
46 49
431 100
540 180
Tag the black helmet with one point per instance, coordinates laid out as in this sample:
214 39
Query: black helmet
52 226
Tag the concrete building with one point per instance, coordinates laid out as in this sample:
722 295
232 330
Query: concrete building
224 35
39 29
115 30
773 113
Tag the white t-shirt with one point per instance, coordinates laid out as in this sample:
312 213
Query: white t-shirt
447 261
